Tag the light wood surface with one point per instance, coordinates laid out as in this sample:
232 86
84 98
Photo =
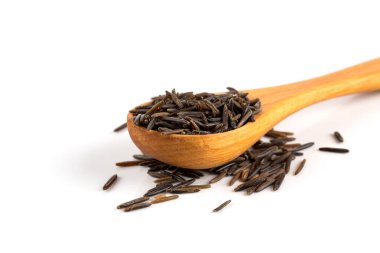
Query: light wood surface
207 151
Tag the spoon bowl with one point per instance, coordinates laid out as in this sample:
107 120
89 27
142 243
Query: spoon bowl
277 103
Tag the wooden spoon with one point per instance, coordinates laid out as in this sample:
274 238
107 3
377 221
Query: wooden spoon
207 151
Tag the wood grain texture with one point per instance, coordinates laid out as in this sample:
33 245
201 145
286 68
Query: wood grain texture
207 151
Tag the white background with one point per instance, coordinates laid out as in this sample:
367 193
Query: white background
71 70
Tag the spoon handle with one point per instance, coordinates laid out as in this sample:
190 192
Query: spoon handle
363 77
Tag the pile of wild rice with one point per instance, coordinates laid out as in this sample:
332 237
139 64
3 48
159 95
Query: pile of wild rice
202 113
263 165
